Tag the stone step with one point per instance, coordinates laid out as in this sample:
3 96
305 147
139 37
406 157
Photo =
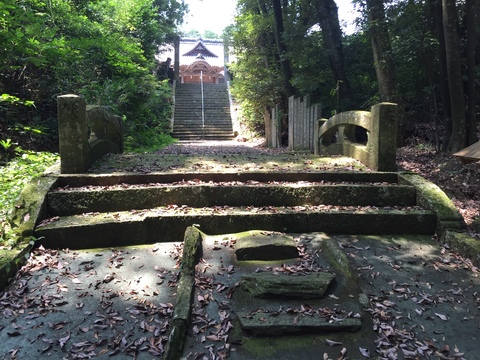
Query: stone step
188 113
194 126
209 137
168 223
119 198
198 116
197 121
82 180
267 324
267 285
208 107
198 134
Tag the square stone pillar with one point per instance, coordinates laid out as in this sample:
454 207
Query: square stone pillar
73 134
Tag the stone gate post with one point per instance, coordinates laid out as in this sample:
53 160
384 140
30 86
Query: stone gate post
73 134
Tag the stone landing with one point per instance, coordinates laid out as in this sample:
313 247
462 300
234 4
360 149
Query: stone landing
269 309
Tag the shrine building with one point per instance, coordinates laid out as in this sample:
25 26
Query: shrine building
199 57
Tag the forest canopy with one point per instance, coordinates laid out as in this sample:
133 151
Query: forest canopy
419 54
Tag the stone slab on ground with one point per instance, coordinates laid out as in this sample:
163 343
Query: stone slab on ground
268 285
265 245
265 324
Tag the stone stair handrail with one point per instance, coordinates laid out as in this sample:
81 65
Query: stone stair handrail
86 132
336 136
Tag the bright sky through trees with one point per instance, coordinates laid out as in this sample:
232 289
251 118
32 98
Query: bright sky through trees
215 15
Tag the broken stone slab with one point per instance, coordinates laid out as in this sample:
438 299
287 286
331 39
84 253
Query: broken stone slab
265 245
270 285
265 324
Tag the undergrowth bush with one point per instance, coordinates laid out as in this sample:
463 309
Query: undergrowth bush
145 105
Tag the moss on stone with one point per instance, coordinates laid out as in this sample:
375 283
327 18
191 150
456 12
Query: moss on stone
11 260
463 243
30 206
265 245
432 197
337 258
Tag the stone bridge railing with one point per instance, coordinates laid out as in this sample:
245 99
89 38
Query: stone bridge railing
86 132
338 136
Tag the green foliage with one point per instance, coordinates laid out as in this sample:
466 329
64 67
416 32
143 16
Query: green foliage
102 49
14 176
257 80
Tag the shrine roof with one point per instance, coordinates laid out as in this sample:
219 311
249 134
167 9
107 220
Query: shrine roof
212 51
200 49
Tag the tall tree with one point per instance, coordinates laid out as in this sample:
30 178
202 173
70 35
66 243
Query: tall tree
327 13
435 6
383 60
457 139
382 51
282 49
471 13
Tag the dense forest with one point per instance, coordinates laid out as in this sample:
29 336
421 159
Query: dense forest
420 54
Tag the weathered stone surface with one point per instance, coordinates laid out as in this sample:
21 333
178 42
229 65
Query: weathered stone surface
73 134
151 226
269 285
337 258
430 196
192 245
265 245
77 201
264 324
381 124
464 244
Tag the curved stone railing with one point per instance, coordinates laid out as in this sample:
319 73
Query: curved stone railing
338 136
86 132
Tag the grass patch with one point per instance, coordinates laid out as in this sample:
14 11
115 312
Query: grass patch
13 177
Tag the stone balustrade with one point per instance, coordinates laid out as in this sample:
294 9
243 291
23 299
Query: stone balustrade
86 132
338 136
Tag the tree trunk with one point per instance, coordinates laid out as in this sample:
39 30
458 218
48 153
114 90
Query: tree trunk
327 12
471 93
382 51
383 60
282 49
436 7
458 138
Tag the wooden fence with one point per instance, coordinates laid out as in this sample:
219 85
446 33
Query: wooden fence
301 123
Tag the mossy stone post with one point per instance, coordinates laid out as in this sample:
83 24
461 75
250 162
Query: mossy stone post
383 137
73 134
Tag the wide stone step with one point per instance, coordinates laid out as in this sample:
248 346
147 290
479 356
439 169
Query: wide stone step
82 180
223 116
209 137
194 126
198 121
167 224
195 194
209 107
199 135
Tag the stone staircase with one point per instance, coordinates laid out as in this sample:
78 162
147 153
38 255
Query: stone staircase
90 211
188 112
